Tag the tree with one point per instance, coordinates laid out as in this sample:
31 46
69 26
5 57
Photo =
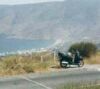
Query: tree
86 49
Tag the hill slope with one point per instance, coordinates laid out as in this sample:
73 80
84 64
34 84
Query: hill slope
73 20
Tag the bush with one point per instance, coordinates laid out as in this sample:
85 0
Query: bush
86 49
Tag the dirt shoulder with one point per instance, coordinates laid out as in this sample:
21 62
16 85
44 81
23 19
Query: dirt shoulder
87 67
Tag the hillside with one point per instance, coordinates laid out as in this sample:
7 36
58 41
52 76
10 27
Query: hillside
73 20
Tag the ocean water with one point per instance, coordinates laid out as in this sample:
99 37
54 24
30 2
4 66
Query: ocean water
13 45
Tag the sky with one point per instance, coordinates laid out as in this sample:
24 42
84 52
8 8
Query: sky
24 1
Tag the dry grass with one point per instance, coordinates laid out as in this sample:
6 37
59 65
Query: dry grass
95 59
21 64
80 86
15 64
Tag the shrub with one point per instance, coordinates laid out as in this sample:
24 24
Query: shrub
86 49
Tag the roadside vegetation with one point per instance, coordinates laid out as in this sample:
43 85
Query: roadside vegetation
80 86
40 62
94 59
22 64
88 51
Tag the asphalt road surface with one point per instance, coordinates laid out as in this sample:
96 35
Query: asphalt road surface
49 80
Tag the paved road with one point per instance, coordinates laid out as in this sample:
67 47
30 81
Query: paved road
49 80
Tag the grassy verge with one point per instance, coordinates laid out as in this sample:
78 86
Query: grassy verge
21 64
95 59
79 86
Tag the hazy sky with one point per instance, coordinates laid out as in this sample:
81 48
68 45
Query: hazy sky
24 1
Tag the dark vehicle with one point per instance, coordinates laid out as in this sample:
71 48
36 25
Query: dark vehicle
70 59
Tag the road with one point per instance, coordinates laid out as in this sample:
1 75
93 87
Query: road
49 80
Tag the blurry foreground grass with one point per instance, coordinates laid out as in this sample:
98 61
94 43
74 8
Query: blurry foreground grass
21 64
80 86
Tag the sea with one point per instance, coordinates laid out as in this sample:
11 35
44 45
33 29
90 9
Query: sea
13 45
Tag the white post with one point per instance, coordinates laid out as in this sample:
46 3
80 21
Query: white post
54 57
31 56
41 58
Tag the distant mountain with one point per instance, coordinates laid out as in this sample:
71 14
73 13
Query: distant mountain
72 20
